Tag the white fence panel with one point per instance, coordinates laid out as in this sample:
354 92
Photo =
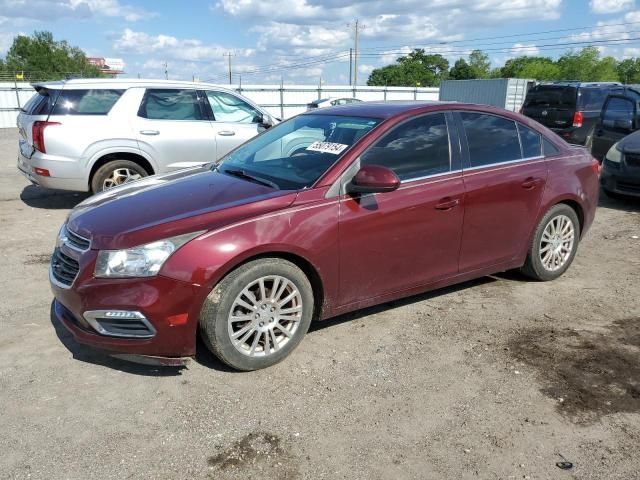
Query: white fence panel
281 101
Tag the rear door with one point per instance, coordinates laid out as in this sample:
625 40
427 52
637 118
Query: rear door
551 105
617 120
234 121
504 177
172 127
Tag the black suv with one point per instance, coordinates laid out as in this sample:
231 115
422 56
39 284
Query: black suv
571 109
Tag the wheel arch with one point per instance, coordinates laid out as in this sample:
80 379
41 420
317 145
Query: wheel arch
299 260
120 155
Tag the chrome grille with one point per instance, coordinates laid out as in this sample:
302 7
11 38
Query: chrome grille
76 241
64 268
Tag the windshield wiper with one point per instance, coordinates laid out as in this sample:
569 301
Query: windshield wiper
253 178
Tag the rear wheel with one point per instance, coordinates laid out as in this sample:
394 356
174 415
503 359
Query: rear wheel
257 314
554 244
115 173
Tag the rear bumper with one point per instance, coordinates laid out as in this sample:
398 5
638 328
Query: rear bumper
577 136
65 174
623 181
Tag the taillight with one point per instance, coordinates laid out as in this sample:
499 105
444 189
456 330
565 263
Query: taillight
43 172
37 134
595 166
578 117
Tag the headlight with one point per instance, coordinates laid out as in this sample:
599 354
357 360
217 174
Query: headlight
143 261
614 155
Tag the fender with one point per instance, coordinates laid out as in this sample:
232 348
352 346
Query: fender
99 149
309 232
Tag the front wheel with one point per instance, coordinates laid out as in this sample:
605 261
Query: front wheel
257 314
554 244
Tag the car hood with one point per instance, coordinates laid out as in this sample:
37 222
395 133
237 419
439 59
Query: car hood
630 143
163 206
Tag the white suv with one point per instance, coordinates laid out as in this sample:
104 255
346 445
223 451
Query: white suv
90 135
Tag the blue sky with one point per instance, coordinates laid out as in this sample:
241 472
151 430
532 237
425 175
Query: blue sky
305 40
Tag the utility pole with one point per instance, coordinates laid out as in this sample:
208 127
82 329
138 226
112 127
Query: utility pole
166 71
350 66
357 26
229 55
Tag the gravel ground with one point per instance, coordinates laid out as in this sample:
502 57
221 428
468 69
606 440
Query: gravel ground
496 378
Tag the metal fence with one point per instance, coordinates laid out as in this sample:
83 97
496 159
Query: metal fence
282 101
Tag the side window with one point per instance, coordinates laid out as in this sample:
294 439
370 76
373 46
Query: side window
592 98
170 104
549 149
76 102
229 108
491 139
618 112
414 149
531 142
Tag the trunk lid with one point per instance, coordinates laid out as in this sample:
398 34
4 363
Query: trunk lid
551 105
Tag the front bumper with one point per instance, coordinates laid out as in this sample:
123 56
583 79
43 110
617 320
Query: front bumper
170 306
621 179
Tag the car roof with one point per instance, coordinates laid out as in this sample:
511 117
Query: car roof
124 83
378 109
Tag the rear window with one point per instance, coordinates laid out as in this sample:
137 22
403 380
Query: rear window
551 96
74 102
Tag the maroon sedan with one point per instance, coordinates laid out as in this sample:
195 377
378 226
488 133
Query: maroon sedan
331 211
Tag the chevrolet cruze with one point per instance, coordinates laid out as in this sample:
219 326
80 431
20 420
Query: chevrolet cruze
387 200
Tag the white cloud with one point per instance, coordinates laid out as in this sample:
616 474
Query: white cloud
47 10
611 6
366 69
530 50
142 43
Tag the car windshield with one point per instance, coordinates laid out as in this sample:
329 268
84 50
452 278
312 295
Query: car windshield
551 96
295 153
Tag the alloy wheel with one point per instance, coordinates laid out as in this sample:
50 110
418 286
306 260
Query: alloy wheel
556 243
120 176
265 316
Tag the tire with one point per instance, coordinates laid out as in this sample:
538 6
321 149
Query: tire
116 172
557 253
250 350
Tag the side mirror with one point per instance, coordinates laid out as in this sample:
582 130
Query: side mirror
374 179
266 121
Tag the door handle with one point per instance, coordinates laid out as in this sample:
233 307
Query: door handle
226 133
149 132
531 183
447 203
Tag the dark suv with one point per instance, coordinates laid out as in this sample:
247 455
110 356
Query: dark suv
571 109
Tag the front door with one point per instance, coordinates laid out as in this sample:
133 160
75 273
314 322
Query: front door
390 242
504 177
234 121
616 122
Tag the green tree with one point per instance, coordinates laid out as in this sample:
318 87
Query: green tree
542 68
629 70
480 63
47 58
461 70
415 69
586 65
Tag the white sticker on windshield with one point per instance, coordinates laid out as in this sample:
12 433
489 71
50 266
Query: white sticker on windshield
327 147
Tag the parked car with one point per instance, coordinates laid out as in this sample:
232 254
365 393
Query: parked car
331 102
96 134
398 199
618 118
620 175
571 109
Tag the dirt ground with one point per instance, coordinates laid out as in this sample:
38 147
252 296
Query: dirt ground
496 378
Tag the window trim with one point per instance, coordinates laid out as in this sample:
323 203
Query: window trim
203 112
398 125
